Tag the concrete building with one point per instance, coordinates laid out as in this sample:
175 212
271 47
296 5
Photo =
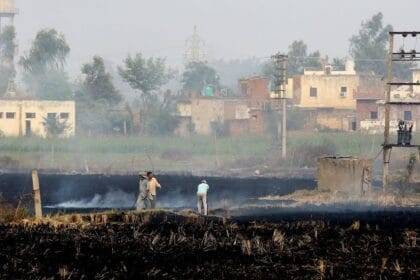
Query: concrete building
27 117
185 125
208 113
328 97
235 115
371 106
204 116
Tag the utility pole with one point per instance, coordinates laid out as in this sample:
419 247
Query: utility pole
386 147
409 56
280 83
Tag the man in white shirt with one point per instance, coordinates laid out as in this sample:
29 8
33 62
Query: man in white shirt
202 190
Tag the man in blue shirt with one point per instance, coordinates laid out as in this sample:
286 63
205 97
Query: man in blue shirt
202 190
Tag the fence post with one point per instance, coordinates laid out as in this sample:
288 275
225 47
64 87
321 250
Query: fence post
37 194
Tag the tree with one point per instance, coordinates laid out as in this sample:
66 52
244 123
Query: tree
199 74
54 85
298 60
369 48
7 52
298 52
100 117
54 126
144 75
339 63
48 52
161 118
230 71
147 76
44 66
97 83
313 60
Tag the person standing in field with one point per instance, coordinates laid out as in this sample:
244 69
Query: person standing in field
152 184
142 201
202 190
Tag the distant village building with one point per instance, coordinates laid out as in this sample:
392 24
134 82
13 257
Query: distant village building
328 97
371 106
27 117
368 94
246 113
205 115
256 90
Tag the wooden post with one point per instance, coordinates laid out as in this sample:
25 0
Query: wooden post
37 194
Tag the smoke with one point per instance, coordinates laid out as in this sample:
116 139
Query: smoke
118 199
112 199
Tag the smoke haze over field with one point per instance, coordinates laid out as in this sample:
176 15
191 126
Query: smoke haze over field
231 28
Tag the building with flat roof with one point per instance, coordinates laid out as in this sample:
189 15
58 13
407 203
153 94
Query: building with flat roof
28 117
327 97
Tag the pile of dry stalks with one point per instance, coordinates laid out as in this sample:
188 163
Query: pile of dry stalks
164 245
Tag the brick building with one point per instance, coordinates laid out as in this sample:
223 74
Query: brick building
245 114
256 90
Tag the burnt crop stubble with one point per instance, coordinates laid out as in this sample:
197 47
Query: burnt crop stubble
170 246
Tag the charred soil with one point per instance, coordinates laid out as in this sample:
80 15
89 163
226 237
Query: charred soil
164 245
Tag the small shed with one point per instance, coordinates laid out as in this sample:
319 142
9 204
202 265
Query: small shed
345 174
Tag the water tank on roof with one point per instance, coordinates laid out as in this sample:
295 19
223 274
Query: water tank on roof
8 7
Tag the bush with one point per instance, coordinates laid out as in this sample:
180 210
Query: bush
9 214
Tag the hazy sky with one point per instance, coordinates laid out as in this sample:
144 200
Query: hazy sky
231 28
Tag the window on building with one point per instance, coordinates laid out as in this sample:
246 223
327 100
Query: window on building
64 115
52 115
408 116
343 92
10 115
373 115
313 92
1 115
30 115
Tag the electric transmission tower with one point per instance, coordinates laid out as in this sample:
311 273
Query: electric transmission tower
195 48
8 11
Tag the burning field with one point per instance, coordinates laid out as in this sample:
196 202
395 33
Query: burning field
165 245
